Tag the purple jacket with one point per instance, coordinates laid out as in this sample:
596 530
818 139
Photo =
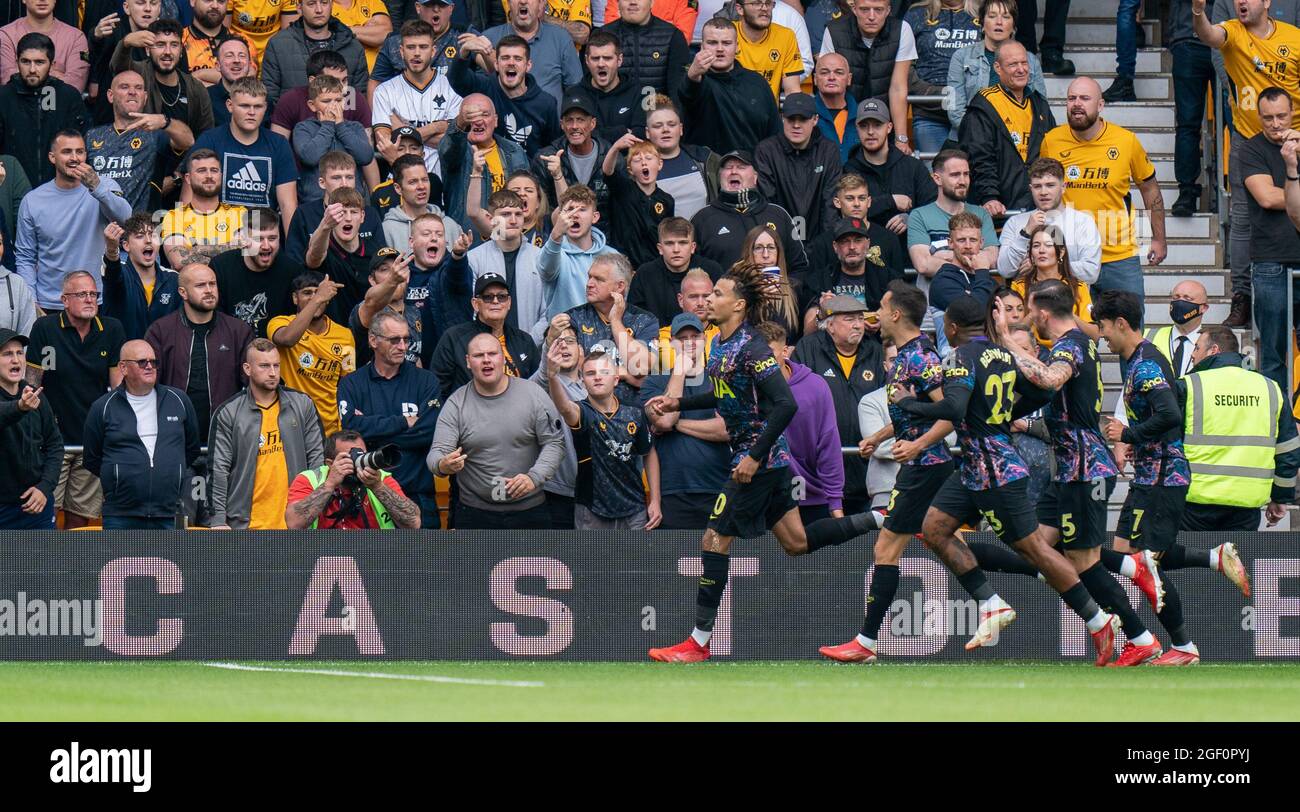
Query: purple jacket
815 441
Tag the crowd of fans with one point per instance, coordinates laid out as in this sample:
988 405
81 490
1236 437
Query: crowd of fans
245 242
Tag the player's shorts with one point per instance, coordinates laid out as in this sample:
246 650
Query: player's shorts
1078 510
749 510
1151 515
913 491
78 491
1005 507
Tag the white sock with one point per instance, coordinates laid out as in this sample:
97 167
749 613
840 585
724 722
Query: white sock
1143 639
700 636
866 642
1098 621
879 517
1040 577
1129 567
992 604
1190 648
1215 559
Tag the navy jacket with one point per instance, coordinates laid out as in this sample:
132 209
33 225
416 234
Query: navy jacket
377 407
124 297
531 120
450 286
134 486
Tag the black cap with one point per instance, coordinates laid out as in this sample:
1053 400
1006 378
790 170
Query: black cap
383 255
406 132
851 225
440 2
7 335
740 155
798 104
487 280
578 101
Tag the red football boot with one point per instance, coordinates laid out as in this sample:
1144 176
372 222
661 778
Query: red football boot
1147 579
1137 655
1175 657
1104 641
687 651
850 652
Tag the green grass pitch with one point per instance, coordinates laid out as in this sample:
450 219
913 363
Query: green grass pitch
561 691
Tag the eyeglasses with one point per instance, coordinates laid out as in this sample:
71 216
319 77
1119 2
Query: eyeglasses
566 342
494 298
84 295
395 340
143 363
762 3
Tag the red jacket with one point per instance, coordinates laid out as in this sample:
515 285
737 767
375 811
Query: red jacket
171 338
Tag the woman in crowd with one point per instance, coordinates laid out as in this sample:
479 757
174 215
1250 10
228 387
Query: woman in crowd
1049 258
941 27
762 248
971 68
689 173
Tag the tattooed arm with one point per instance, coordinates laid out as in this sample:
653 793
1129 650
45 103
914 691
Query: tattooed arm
1046 376
404 512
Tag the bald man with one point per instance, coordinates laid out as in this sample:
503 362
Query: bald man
473 152
128 149
141 439
200 350
1102 163
835 107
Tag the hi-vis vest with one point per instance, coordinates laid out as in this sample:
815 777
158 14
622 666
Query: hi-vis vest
1159 336
316 476
1230 436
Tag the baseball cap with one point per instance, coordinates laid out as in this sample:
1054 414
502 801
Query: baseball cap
439 2
798 104
851 225
683 320
487 280
406 132
578 101
7 335
381 256
743 155
840 304
872 110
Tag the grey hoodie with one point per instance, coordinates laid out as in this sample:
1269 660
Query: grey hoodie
17 304
397 227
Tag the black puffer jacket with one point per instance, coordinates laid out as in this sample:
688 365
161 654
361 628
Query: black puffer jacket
720 229
996 171
800 180
655 54
618 111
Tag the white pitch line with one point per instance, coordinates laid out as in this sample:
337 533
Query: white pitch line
381 675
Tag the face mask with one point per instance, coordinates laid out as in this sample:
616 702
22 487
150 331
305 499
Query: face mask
1182 312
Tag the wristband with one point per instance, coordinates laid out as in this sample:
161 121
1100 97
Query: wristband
1297 178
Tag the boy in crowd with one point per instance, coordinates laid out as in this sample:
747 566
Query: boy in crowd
568 254
139 291
327 132
611 438
635 194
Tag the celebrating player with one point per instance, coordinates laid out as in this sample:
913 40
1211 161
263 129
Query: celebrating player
918 445
1072 512
755 403
1154 507
979 393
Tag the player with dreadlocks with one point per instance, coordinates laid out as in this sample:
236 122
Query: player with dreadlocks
755 402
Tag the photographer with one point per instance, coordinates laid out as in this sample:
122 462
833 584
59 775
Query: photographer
341 495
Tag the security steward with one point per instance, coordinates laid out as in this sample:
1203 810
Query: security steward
1239 437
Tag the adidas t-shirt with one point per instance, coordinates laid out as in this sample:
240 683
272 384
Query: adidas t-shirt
251 172
418 106
683 178
127 157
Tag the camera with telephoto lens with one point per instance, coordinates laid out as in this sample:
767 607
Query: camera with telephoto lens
384 458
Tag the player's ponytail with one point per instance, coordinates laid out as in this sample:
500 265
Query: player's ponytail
757 288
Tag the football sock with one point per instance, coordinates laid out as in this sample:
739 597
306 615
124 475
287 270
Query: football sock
977 584
1179 557
1078 599
1171 617
884 583
831 532
1111 596
1118 562
1000 558
712 583
1190 648
866 642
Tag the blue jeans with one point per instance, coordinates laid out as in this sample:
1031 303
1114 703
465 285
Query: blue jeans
1193 72
12 517
1269 282
1122 274
1238 220
929 135
1126 33
139 523
429 516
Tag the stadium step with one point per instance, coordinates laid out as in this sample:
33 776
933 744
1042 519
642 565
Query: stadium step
1091 60
1151 87
1097 30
